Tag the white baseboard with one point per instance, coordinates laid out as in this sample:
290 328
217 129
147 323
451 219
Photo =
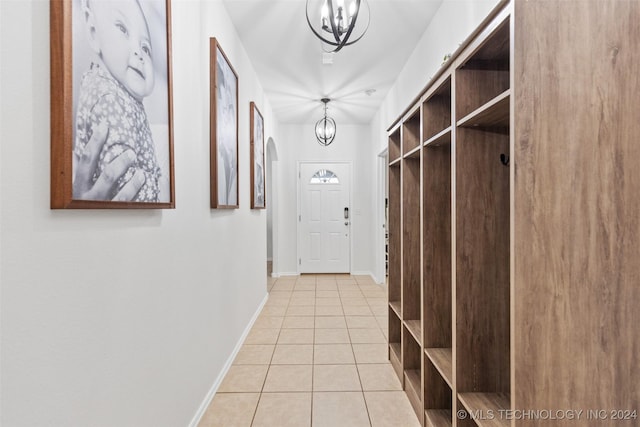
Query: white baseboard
370 274
287 273
216 384
353 273
361 273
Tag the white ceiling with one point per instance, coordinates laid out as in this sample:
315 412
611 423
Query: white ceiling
287 57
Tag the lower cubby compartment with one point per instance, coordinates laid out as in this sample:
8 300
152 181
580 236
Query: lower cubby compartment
412 389
412 365
395 346
485 409
395 306
395 359
441 359
437 396
415 329
482 262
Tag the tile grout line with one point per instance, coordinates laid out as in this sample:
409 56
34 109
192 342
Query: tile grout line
313 356
255 411
364 399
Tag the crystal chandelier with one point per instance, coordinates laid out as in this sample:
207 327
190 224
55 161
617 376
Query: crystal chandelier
325 127
337 22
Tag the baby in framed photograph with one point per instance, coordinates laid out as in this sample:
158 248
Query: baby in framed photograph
110 101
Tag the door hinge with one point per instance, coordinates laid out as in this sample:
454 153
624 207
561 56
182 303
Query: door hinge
299 217
299 261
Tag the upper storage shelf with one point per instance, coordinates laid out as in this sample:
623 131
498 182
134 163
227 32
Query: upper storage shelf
494 115
437 110
394 145
411 132
485 74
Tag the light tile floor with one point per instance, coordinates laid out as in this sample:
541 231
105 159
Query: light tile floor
316 356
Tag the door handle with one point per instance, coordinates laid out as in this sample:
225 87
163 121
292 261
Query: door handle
346 223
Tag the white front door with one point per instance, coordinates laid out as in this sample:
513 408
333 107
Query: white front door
324 218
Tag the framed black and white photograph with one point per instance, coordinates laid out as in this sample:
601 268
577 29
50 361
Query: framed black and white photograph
224 129
111 104
257 158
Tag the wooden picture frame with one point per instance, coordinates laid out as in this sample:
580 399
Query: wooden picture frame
258 194
111 130
224 129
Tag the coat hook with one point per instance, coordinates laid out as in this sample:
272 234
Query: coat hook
504 159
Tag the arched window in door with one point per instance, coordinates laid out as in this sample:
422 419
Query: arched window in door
324 176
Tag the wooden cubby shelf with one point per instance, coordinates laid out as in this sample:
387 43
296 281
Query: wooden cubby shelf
412 365
486 404
492 115
441 359
415 329
411 241
437 418
411 132
441 138
395 162
396 358
395 306
437 395
437 110
485 73
510 172
413 154
412 381
394 145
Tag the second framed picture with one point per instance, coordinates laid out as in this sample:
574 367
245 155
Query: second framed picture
258 199
224 129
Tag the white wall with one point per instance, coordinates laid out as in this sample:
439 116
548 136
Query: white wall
121 318
352 143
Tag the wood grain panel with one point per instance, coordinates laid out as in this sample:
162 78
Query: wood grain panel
395 328
494 53
411 296
577 207
412 381
411 351
411 133
415 328
395 233
437 110
485 404
394 145
474 88
493 116
482 262
437 246
395 306
485 74
437 418
441 358
437 393
396 360
441 138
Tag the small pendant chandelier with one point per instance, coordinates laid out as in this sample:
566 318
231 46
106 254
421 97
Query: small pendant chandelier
325 127
338 22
